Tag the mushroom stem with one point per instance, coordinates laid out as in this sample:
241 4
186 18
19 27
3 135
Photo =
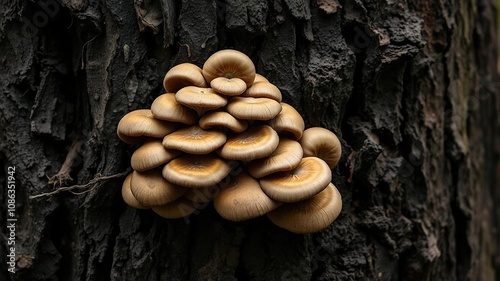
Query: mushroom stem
73 159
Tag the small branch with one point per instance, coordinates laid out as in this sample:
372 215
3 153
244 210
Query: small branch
73 158
81 186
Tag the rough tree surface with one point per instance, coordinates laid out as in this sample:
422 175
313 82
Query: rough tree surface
410 88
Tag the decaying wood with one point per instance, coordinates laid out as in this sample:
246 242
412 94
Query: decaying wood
410 88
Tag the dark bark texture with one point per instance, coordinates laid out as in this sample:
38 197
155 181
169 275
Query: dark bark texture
410 87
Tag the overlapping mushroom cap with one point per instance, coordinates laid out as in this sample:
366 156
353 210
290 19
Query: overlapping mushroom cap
221 133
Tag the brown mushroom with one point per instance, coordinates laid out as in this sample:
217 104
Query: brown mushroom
253 108
310 177
222 119
260 78
141 123
228 86
243 199
150 155
229 64
200 99
256 142
263 90
151 189
288 121
311 215
166 107
180 208
322 143
127 195
183 75
285 157
196 171
194 140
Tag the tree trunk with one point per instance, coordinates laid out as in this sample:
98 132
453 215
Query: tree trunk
410 87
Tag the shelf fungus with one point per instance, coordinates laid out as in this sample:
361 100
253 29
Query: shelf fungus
221 135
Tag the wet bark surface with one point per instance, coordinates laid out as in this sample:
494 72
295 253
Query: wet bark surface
410 88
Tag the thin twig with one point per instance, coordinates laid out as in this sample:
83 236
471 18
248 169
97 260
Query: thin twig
81 186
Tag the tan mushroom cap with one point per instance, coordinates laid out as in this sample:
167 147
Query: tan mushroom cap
322 143
256 142
311 215
200 99
253 108
166 107
229 64
151 189
127 195
289 121
243 199
228 86
201 195
194 140
181 207
150 155
263 90
310 177
196 171
183 75
260 78
286 157
139 123
222 119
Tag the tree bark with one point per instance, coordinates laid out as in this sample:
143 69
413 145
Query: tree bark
410 87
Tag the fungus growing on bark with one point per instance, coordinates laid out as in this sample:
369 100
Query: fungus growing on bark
233 114
311 215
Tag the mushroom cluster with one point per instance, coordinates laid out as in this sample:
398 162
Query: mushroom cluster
221 133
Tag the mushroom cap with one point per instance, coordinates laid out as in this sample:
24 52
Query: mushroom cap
150 155
222 119
310 177
228 86
285 157
259 78
263 90
196 171
194 140
166 107
201 195
322 143
200 98
139 123
248 108
256 142
229 64
243 199
151 189
127 195
311 215
288 120
181 207
183 75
